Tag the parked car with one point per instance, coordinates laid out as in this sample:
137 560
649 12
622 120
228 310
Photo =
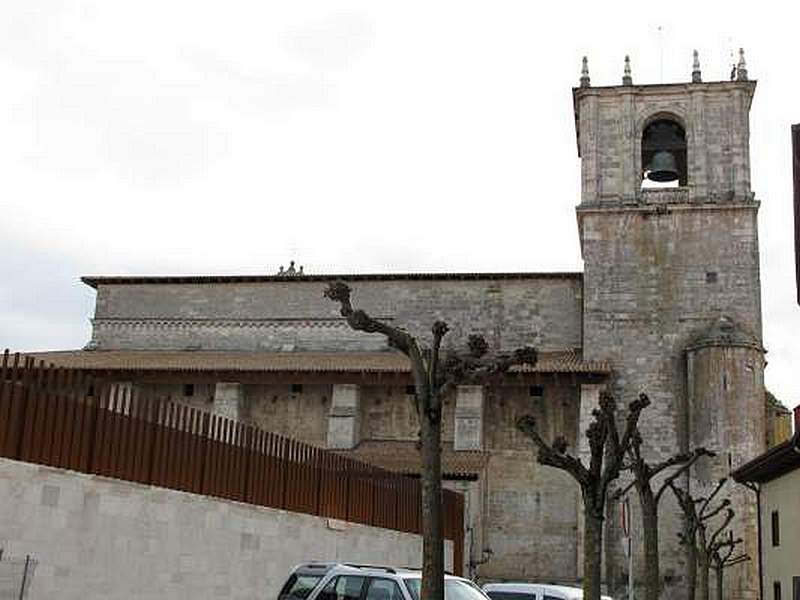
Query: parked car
533 591
347 581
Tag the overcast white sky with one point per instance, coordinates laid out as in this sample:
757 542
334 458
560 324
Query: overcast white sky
157 137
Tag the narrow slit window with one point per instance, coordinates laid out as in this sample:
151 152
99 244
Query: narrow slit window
776 528
536 391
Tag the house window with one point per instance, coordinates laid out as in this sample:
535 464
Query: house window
776 590
776 528
410 390
188 390
297 388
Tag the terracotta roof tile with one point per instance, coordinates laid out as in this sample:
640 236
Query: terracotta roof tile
403 457
308 362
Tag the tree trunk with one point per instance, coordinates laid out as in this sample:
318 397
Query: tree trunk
719 573
432 522
592 555
691 569
612 541
702 572
652 573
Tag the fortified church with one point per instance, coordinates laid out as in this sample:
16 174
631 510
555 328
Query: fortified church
668 303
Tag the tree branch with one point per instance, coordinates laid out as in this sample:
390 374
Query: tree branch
339 291
622 491
687 459
635 409
707 501
439 330
723 505
555 455
474 366
721 528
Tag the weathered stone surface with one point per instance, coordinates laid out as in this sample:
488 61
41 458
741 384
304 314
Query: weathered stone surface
294 316
469 418
228 399
659 274
344 417
96 538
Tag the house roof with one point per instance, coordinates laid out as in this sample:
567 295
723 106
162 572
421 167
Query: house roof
302 362
403 457
775 462
95 281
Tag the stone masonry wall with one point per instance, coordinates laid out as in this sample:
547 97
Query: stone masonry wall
661 265
293 315
716 123
654 279
531 516
524 512
97 538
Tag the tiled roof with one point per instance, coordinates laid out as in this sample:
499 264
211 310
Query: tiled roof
95 281
403 457
308 362
775 462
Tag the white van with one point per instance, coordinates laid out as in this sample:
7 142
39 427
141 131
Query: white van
533 591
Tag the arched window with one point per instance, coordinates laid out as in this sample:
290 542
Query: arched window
664 154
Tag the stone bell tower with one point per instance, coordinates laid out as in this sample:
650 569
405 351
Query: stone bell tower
669 238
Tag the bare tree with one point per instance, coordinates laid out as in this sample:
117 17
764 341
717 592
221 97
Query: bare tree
607 450
436 372
649 499
697 539
723 557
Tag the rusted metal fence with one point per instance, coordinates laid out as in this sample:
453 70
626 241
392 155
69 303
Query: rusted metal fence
67 418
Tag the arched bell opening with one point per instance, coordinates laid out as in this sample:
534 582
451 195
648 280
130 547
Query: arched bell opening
664 160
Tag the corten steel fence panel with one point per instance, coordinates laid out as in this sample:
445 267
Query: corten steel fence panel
67 418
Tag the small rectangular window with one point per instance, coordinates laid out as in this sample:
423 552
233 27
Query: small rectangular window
776 528
297 388
776 590
536 391
410 390
188 390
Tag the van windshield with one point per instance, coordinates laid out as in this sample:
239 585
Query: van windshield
454 589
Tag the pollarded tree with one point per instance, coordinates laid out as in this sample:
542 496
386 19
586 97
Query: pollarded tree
643 476
607 449
697 538
722 557
435 372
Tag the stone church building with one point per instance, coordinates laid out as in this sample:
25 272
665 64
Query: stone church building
668 303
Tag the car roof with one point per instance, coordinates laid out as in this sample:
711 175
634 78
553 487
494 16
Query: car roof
569 591
322 568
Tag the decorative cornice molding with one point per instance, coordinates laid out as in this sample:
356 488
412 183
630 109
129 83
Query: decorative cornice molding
679 195
188 323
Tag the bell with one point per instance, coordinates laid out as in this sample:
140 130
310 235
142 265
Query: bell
663 167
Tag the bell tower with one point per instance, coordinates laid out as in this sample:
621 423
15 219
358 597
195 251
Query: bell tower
669 239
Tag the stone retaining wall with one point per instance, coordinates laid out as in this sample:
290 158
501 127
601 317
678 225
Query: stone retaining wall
95 537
